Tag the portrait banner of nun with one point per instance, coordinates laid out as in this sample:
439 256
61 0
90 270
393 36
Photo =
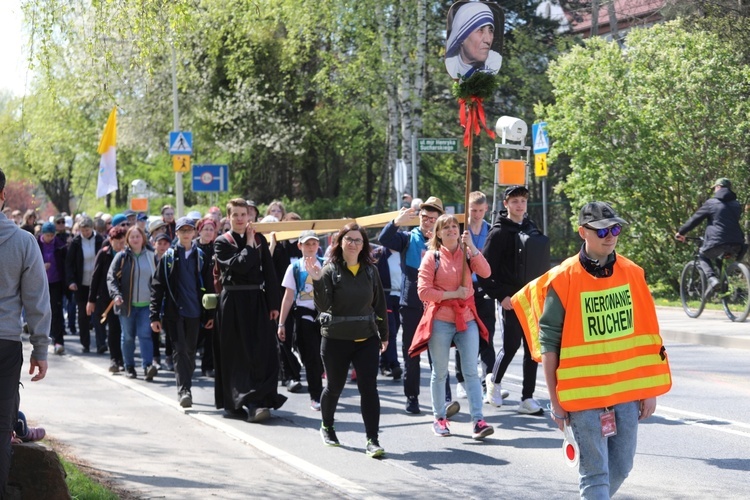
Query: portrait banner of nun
475 39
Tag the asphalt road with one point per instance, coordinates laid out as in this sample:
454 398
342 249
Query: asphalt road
697 445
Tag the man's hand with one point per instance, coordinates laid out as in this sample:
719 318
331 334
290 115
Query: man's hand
250 235
404 215
41 369
679 237
73 287
383 346
274 315
90 306
156 326
646 408
209 324
505 304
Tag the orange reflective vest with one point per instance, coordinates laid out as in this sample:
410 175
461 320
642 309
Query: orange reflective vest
528 304
611 351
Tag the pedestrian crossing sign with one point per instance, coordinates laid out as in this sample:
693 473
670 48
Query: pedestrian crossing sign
181 143
540 137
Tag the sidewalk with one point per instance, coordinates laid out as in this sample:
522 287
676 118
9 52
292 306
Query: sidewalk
711 328
145 442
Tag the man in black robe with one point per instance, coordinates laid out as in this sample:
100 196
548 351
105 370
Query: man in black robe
245 352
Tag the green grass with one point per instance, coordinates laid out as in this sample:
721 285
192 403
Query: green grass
667 302
82 486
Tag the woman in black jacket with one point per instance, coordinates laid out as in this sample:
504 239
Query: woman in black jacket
99 299
354 319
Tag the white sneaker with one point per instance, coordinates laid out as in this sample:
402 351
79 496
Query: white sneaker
460 391
494 392
530 407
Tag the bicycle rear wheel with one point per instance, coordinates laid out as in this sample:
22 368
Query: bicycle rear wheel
692 286
735 292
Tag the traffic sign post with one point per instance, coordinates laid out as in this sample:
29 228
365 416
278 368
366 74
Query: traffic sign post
540 165
181 163
181 143
540 138
210 178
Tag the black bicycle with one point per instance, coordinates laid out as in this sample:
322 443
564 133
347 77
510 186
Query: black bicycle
733 290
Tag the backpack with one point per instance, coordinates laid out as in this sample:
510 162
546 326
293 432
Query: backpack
532 254
297 271
168 260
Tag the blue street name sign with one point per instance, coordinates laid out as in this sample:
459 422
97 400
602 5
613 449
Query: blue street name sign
210 178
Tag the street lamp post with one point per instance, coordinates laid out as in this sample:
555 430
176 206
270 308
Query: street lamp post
180 208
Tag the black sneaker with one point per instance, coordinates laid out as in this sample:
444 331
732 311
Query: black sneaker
131 372
102 349
481 430
412 405
373 448
396 372
86 350
150 372
329 436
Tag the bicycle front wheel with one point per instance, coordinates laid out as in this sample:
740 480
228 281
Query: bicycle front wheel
692 287
735 292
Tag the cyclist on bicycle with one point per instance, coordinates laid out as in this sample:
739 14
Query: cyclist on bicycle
723 231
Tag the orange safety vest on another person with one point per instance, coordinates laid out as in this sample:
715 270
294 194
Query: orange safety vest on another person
611 351
528 304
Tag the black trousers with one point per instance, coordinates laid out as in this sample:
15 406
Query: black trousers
84 321
184 335
114 334
486 311
289 367
11 359
100 329
57 326
307 338
410 317
512 338
337 355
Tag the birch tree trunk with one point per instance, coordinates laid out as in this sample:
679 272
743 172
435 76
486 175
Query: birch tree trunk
613 29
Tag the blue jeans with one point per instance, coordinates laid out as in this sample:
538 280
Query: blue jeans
467 343
604 462
137 324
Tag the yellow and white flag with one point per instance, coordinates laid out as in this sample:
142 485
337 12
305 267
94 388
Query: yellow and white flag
107 165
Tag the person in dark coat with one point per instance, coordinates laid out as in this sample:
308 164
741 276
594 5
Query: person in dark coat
99 297
79 270
723 233
247 365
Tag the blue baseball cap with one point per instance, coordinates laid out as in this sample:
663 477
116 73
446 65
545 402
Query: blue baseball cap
119 219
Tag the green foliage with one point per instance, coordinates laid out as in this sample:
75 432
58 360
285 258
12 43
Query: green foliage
649 129
81 486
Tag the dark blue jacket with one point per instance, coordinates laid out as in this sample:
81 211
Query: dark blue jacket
412 247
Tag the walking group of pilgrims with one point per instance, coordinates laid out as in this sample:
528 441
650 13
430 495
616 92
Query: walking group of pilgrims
258 310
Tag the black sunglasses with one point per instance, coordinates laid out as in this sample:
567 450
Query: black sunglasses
602 233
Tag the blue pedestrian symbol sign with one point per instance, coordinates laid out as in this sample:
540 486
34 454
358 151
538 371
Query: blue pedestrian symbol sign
540 137
181 143
210 178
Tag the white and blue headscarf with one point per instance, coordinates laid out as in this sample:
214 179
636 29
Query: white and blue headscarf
469 18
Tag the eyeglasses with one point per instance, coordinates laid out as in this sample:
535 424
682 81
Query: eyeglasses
124 224
353 241
602 233
169 214
427 217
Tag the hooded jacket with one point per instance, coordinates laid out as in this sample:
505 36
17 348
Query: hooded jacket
722 213
23 285
502 254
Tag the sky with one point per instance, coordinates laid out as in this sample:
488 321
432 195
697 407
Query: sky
13 64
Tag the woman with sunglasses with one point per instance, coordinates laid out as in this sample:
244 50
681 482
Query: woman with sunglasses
354 328
451 318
